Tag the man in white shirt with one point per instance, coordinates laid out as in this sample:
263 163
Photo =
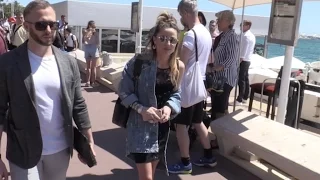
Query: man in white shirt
193 115
41 91
247 49
71 41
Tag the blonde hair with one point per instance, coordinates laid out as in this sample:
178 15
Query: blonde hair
166 20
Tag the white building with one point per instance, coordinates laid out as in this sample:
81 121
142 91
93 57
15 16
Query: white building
113 22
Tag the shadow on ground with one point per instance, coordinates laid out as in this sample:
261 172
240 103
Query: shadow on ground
120 174
225 168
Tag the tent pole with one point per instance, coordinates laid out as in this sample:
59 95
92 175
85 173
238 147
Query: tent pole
140 25
240 49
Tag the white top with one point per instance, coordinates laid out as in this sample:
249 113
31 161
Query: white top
47 86
204 47
247 45
70 40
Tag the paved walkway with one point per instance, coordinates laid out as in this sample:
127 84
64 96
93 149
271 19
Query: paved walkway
110 149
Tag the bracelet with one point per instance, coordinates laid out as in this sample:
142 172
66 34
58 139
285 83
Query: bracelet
137 107
140 109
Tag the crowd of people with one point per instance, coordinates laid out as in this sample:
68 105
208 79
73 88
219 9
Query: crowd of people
171 77
41 84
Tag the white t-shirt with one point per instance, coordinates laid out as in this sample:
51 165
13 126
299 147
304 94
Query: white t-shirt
70 40
204 47
46 80
247 45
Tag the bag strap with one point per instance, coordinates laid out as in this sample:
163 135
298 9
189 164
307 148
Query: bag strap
74 43
195 44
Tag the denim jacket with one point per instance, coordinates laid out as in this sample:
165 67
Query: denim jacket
142 136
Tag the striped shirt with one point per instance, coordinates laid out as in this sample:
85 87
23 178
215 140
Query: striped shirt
227 55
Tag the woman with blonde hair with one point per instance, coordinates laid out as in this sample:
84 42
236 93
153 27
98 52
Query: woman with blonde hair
154 97
91 42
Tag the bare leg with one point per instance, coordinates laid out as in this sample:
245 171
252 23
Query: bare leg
145 171
154 167
88 61
183 139
93 70
203 134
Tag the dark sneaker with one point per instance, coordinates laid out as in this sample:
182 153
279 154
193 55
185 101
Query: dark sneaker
204 162
180 169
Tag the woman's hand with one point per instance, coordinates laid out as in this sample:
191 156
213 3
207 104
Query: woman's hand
166 112
151 114
218 68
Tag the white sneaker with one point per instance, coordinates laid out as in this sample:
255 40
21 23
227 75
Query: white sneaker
237 103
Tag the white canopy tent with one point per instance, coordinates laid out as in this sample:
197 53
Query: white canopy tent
277 62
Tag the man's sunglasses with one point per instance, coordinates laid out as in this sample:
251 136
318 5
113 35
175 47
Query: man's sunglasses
172 40
43 25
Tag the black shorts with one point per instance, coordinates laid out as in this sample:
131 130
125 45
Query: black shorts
190 115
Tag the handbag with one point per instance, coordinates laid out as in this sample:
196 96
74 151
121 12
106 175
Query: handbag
215 80
193 90
120 112
82 146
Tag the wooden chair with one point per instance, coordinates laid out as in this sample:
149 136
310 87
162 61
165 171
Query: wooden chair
271 90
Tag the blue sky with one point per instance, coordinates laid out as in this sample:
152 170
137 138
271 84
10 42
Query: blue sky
310 24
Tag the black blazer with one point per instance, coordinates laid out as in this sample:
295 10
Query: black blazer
17 94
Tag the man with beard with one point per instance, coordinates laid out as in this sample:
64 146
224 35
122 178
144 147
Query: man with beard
40 86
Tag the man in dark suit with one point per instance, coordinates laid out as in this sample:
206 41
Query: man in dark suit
40 87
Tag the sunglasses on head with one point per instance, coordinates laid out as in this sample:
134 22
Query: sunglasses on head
172 40
42 25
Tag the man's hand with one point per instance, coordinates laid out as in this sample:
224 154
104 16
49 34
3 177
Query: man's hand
241 59
3 171
93 152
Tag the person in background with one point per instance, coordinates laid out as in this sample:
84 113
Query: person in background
226 60
214 33
247 49
46 84
156 99
71 41
181 36
3 42
213 30
18 34
91 52
202 18
63 25
193 115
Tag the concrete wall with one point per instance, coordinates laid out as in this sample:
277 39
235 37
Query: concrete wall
118 16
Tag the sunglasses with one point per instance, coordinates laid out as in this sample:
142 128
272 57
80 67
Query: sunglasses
172 40
42 25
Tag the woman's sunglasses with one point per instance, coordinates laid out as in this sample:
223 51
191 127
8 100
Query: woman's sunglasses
172 40
42 25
